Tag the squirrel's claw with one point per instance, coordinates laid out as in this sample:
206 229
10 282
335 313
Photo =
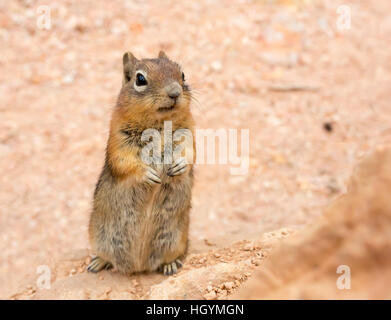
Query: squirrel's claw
152 176
171 268
179 167
97 264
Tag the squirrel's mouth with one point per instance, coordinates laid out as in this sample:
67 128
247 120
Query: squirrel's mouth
168 108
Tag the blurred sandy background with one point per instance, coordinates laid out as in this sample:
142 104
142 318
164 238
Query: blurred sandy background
243 59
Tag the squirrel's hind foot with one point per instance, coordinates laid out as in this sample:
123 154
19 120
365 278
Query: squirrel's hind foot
170 268
97 264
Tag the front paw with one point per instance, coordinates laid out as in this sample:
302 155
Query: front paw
151 176
179 167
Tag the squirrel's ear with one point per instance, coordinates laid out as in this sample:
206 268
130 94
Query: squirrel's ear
162 55
129 60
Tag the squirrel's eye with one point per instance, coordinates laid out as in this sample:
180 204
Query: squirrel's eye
183 77
140 80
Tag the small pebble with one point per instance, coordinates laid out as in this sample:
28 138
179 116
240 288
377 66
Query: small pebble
210 296
108 291
229 285
216 66
248 247
328 127
223 293
256 262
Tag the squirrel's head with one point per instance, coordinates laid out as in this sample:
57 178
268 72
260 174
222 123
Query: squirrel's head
153 85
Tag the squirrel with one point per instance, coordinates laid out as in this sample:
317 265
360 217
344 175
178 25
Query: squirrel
140 216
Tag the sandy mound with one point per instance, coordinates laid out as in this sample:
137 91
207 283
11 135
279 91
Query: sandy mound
355 232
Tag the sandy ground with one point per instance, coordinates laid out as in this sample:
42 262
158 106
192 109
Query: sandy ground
58 86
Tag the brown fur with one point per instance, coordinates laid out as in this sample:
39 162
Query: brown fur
134 225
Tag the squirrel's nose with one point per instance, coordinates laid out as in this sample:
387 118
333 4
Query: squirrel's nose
174 90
